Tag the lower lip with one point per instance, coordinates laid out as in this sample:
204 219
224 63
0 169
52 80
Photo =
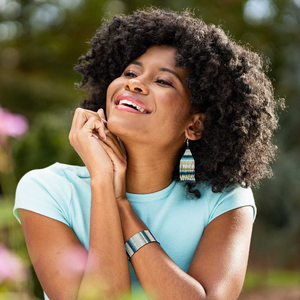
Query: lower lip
128 109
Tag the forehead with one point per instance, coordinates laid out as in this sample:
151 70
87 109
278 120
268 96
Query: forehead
160 53
161 56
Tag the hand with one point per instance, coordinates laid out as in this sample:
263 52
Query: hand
116 151
98 148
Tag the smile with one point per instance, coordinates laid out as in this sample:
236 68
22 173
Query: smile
133 105
130 103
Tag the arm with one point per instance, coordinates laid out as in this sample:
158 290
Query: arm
107 263
217 270
52 245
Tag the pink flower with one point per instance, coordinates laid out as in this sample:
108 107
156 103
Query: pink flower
12 124
11 266
73 261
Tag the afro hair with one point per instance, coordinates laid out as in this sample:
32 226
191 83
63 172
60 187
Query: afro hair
227 83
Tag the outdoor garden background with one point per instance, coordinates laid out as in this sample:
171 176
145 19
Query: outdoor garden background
40 41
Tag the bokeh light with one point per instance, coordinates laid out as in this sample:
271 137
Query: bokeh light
257 12
71 4
297 2
47 15
113 7
10 9
10 30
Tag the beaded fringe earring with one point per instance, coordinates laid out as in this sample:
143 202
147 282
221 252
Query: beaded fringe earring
187 166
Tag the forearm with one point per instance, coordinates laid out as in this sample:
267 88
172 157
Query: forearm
160 277
107 265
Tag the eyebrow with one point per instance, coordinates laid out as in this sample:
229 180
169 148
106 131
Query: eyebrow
161 69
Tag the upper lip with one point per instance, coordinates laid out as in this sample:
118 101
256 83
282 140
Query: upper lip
133 99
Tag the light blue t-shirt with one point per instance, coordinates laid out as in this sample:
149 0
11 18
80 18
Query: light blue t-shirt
62 192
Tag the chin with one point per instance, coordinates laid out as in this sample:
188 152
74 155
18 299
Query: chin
113 127
118 127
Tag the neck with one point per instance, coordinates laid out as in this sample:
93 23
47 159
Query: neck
148 170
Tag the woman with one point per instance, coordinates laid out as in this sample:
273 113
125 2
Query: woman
165 80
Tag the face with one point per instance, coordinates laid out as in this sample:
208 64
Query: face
150 101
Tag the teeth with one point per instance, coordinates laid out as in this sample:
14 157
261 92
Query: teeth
124 101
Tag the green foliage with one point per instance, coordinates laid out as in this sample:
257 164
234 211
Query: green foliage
271 278
45 143
6 216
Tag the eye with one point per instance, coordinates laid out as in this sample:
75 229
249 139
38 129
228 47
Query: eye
164 82
130 74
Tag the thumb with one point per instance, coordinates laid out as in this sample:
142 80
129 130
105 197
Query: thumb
101 114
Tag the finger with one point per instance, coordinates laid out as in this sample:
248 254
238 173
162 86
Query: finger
122 146
75 124
119 150
95 125
112 142
101 114
75 118
81 116
117 162
113 138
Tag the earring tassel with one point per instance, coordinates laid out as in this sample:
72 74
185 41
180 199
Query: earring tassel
187 166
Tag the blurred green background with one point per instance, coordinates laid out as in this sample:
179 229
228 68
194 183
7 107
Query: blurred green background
40 41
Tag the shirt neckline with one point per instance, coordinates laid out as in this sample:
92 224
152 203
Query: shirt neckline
151 197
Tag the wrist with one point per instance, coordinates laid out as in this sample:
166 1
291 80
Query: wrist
123 203
101 180
138 241
131 223
100 174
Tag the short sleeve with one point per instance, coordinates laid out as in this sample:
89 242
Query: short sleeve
44 192
232 198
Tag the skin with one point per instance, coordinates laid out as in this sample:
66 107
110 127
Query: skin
153 142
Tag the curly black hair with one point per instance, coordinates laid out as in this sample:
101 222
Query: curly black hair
226 81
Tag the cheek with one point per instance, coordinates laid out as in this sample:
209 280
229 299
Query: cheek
111 90
176 107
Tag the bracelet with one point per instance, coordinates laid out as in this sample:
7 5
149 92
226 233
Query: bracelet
139 240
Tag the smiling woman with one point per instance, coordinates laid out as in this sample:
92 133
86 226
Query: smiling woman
158 82
156 85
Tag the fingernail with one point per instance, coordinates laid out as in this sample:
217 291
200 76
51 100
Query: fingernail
95 136
103 135
103 120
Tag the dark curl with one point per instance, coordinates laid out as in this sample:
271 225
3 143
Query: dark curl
227 83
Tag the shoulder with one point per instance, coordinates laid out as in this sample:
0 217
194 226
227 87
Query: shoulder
54 176
49 189
231 198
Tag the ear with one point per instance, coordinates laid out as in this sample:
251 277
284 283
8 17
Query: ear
196 127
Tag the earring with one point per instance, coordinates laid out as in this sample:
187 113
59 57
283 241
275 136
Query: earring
187 165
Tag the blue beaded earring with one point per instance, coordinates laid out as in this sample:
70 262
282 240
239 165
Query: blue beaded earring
187 166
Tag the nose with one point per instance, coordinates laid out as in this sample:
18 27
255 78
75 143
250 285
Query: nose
135 85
